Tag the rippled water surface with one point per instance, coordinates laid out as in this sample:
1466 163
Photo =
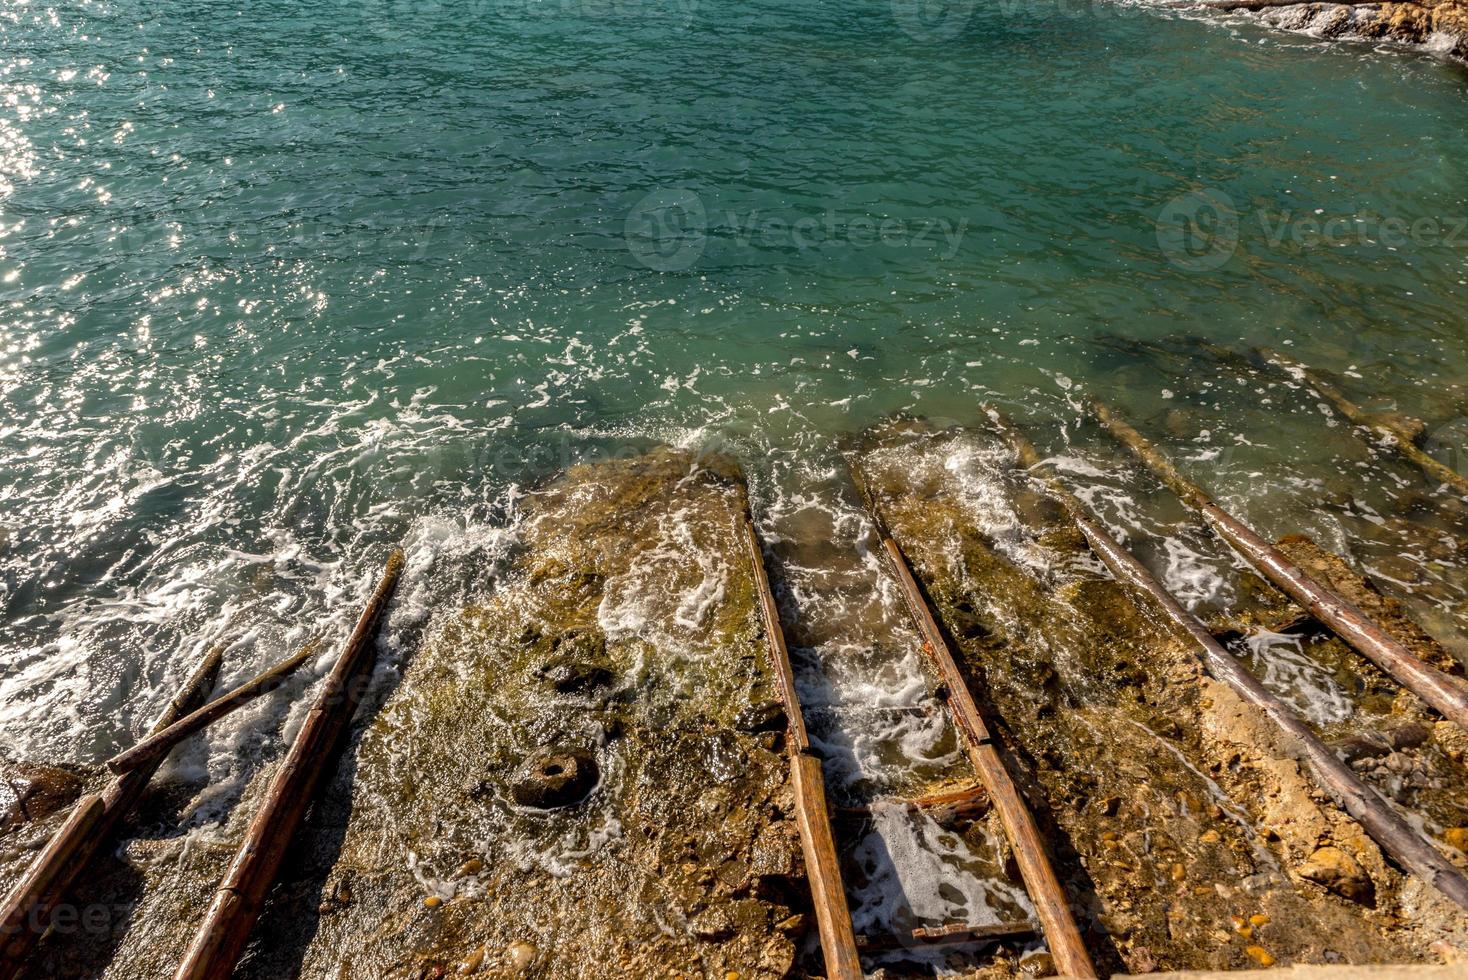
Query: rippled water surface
283 283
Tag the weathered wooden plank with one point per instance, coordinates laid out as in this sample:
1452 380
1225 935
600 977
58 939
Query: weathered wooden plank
817 843
161 742
1398 838
237 904
954 934
1446 695
28 908
969 802
775 637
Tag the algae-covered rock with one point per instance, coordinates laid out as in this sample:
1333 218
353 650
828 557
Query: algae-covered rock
554 777
1171 806
558 784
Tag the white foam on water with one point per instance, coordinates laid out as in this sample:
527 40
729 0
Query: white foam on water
918 873
1283 665
1197 570
642 602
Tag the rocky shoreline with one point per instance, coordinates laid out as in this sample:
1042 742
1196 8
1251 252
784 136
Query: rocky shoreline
1437 27
583 773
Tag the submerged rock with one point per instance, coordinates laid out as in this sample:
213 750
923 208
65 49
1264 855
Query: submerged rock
30 792
569 675
578 661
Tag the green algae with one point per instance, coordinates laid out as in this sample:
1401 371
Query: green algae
682 858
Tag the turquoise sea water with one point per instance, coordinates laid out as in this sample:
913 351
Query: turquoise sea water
281 283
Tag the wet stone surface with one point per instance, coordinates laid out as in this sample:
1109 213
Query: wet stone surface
562 784
1186 835
30 793
582 774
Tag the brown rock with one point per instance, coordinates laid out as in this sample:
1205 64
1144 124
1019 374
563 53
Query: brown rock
29 792
551 778
1401 22
713 925
1334 869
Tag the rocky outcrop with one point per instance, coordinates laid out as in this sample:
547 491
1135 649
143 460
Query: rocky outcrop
578 776
1189 835
1440 27
560 785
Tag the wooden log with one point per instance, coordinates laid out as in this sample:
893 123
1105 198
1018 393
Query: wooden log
956 934
823 869
27 909
817 842
1446 695
1407 846
237 904
964 803
1401 436
1064 938
775 639
161 742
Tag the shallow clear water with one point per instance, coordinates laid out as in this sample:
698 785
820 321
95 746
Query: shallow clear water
281 285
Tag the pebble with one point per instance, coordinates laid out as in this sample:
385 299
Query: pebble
470 867
432 902
1447 952
1260 955
793 924
1209 837
1336 870
519 956
472 962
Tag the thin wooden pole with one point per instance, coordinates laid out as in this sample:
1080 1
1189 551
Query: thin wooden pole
162 741
1051 907
1401 439
241 896
1348 622
1398 838
26 911
817 843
